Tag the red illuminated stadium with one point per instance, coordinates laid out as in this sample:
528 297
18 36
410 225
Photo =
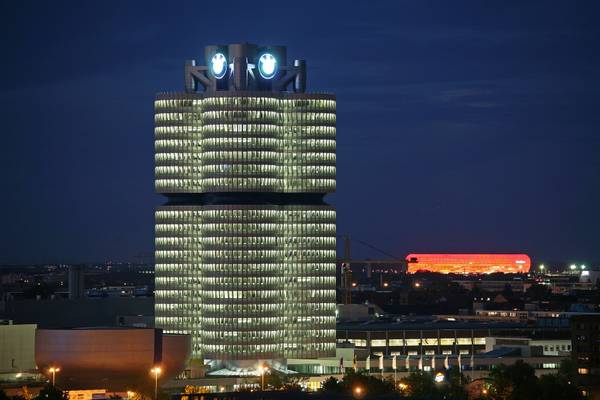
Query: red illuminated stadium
468 263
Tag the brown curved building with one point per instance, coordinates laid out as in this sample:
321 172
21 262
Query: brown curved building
112 359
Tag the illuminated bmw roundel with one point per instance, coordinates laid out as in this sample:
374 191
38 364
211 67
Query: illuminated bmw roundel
218 65
267 66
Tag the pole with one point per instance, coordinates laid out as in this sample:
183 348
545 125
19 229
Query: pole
262 380
53 377
155 385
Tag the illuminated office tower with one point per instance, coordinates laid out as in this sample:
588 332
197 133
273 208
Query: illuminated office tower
245 244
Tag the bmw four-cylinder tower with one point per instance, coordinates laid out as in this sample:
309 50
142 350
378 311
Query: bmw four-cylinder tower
245 244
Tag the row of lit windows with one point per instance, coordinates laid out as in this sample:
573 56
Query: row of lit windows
314 185
267 212
301 211
248 242
275 269
245 228
227 283
239 117
248 129
274 221
246 143
279 304
418 342
243 254
258 102
248 169
279 267
259 157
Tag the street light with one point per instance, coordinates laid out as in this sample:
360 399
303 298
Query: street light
582 266
262 371
358 391
54 371
156 371
573 267
542 267
439 377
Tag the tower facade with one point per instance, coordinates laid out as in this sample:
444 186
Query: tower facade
245 244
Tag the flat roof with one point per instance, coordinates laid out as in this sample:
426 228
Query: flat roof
428 325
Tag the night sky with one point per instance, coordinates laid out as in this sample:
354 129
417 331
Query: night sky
462 126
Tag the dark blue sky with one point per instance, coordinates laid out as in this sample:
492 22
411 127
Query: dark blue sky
462 126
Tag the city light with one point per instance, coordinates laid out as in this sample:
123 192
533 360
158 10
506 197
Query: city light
267 66
54 371
262 370
417 284
439 377
218 65
582 266
542 267
468 263
402 386
358 391
156 371
573 267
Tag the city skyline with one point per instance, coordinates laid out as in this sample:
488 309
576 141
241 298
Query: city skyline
470 129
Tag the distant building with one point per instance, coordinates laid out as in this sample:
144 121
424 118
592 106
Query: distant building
585 337
85 312
76 282
431 337
358 312
495 285
17 348
469 263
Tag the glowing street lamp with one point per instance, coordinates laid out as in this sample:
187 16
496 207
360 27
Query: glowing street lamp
54 371
262 370
358 391
573 267
156 371
542 267
582 266
439 377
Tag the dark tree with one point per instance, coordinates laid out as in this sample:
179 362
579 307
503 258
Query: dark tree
514 382
556 387
50 392
332 385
